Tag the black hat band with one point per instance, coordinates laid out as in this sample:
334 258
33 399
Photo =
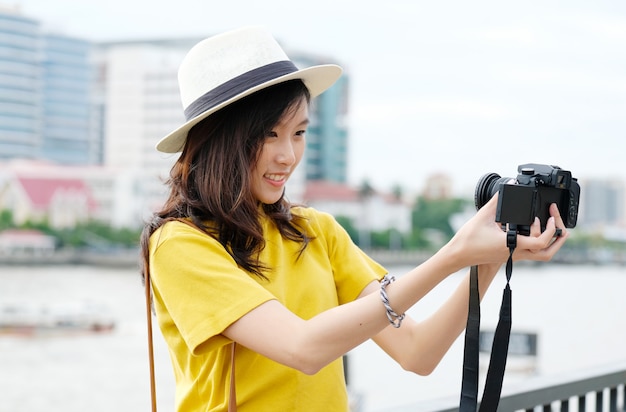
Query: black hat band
238 85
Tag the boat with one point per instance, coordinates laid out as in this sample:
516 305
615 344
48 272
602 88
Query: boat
59 318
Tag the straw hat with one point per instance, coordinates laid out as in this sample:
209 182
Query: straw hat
225 68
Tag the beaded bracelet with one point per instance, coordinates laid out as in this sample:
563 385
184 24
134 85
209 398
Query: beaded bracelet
394 318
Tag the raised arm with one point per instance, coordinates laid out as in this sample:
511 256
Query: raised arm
308 345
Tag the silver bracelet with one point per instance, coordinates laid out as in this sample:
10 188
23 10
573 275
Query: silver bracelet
394 318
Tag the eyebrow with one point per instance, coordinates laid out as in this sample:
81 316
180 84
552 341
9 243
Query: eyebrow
304 122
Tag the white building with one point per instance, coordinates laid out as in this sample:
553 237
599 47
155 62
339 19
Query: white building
66 195
139 89
374 212
26 243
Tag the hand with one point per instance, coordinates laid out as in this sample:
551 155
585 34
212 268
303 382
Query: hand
542 246
482 241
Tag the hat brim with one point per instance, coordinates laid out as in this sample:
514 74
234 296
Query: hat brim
316 78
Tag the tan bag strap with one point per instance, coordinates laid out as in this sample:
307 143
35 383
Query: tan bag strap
150 346
232 399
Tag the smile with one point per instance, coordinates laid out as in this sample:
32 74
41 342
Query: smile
275 178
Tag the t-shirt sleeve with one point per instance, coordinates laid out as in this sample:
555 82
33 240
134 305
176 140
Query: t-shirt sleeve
198 285
353 269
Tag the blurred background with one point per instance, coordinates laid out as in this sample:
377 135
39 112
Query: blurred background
434 95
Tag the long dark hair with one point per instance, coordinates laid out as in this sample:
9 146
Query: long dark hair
210 181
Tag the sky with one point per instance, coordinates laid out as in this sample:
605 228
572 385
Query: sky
454 87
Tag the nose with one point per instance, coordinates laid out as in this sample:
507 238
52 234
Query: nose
286 154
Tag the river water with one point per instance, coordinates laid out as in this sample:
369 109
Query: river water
577 313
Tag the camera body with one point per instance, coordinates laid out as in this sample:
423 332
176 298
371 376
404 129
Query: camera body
529 195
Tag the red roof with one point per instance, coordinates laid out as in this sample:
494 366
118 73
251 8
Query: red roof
22 233
321 190
324 190
41 191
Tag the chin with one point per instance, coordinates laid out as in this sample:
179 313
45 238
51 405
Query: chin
271 199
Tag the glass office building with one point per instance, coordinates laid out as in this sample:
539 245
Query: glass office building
68 133
20 80
327 135
46 107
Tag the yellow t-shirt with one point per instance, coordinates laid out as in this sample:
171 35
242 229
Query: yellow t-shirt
199 291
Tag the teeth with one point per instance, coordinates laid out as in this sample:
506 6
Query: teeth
275 178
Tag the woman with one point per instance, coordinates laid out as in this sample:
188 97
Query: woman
239 274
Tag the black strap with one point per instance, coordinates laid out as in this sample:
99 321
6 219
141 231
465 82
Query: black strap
499 349
469 389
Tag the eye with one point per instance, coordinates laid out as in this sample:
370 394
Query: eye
301 133
271 134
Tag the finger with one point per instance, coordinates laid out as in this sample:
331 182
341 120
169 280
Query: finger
539 251
535 228
554 212
488 212
490 206
537 240
549 252
548 235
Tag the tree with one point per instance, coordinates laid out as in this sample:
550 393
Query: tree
435 214
6 219
365 190
347 224
397 192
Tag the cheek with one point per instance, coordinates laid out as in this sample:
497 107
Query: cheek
299 151
261 161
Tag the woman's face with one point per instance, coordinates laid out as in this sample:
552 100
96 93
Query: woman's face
281 152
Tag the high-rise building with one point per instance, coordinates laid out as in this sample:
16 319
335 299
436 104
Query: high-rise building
327 135
46 109
69 119
20 85
139 89
602 203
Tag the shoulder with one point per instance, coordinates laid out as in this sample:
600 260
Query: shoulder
320 224
314 217
311 213
176 228
178 231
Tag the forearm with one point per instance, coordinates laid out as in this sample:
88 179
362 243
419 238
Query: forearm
338 330
418 347
308 345
434 336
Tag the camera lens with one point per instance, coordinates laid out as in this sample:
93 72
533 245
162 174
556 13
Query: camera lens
487 186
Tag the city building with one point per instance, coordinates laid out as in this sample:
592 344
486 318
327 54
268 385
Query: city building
327 135
602 204
64 195
70 121
371 211
438 186
36 195
26 242
20 91
137 84
46 107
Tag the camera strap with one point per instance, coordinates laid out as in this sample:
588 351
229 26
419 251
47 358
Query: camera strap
500 345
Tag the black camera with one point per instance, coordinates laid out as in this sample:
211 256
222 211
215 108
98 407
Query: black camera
530 195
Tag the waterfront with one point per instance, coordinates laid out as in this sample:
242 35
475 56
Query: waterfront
577 312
